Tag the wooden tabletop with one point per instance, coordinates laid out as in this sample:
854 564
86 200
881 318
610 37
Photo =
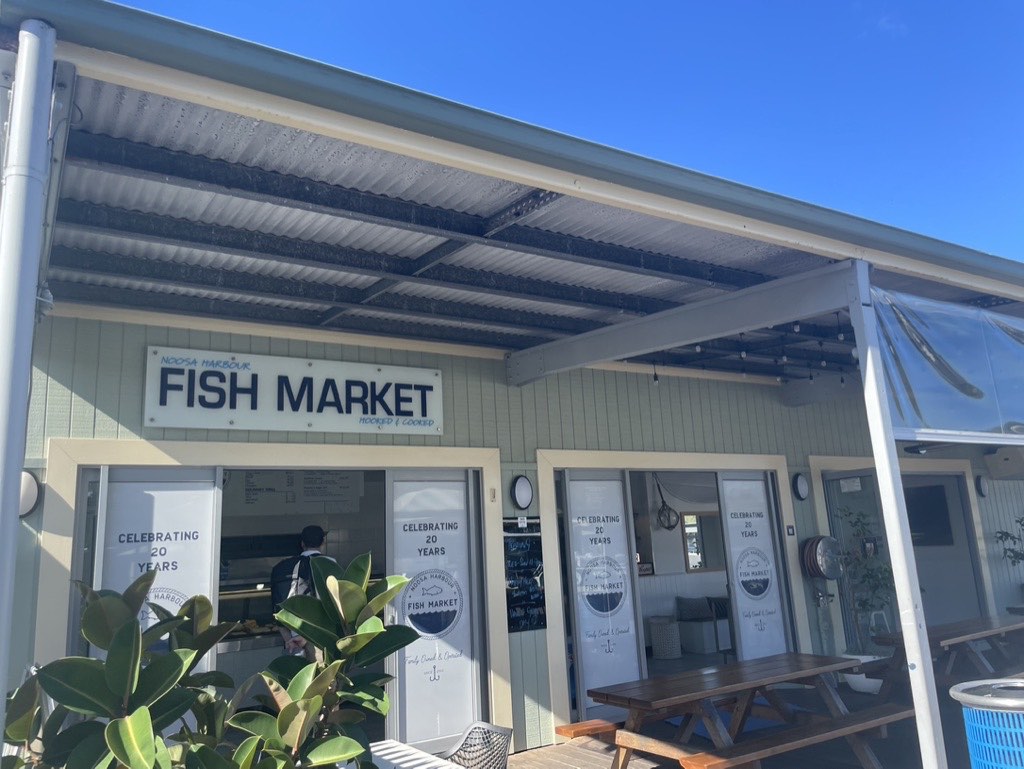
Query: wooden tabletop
717 681
962 631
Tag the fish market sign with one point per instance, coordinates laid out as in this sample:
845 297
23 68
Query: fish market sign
235 391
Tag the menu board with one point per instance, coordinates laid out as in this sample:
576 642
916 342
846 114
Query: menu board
759 621
284 492
524 578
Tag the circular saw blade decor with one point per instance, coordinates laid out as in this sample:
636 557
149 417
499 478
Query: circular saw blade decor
822 557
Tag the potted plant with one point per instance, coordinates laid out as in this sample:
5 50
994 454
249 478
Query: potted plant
868 588
121 708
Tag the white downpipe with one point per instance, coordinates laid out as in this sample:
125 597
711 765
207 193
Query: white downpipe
22 207
897 527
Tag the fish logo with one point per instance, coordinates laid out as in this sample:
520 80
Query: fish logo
602 583
432 603
754 572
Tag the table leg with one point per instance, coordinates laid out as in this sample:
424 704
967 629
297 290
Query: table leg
686 727
894 673
974 654
714 724
740 713
634 721
780 706
836 707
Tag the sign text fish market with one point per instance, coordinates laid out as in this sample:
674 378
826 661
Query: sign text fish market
234 391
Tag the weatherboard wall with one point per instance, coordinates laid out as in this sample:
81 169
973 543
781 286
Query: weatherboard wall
87 382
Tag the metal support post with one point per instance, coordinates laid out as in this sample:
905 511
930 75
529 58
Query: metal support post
22 206
897 526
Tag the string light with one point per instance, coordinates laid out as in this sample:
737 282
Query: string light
655 374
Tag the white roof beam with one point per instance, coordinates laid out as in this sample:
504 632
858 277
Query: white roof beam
808 295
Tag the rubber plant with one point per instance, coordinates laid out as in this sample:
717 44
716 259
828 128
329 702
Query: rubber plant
115 709
317 708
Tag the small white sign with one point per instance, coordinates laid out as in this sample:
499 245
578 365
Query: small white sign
849 485
237 391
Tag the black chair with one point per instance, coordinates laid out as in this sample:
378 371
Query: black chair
719 607
482 746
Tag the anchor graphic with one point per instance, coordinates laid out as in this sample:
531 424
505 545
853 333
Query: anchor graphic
761 625
433 675
609 647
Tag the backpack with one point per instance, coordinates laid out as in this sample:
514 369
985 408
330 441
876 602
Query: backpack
292 576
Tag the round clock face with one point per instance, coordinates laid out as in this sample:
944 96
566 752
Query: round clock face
522 492
801 488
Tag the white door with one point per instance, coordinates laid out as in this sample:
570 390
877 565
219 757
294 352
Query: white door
759 614
608 637
164 520
432 541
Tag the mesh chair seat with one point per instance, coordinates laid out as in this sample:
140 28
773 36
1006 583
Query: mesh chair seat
482 746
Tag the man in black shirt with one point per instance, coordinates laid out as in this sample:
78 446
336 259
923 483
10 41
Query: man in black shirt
293 576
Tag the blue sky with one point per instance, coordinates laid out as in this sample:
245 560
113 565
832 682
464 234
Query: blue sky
908 113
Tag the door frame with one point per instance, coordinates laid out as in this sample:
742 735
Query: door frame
827 465
67 457
550 460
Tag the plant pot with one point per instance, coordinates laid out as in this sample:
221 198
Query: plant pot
860 682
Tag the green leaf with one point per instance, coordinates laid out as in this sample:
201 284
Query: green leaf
21 711
214 678
169 708
104 617
12 762
332 750
286 667
207 639
297 719
205 757
323 681
380 595
90 753
393 638
366 632
281 759
372 698
306 616
163 756
135 594
301 680
161 613
321 569
358 571
361 679
241 694
155 632
160 676
123 659
54 723
348 598
79 684
200 611
246 752
347 716
131 740
262 725
57 750
279 695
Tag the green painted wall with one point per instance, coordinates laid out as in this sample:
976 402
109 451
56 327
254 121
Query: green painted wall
88 381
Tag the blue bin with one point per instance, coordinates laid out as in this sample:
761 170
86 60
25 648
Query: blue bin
994 720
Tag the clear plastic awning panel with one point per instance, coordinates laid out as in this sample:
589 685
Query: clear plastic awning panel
951 368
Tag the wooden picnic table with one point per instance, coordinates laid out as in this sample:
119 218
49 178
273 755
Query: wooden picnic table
697 695
953 641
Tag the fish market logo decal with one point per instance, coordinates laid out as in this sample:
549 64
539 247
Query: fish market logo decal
603 586
754 572
432 602
168 597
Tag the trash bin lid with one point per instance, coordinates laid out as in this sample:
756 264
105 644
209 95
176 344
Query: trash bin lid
991 694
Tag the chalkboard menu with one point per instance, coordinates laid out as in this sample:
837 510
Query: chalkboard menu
524 577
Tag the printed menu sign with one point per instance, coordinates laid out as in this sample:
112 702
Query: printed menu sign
432 548
524 580
759 621
602 579
163 527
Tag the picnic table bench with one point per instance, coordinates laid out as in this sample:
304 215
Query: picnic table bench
742 688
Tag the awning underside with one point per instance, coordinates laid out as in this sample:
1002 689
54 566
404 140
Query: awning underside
171 206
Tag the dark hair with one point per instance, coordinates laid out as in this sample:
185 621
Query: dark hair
312 536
